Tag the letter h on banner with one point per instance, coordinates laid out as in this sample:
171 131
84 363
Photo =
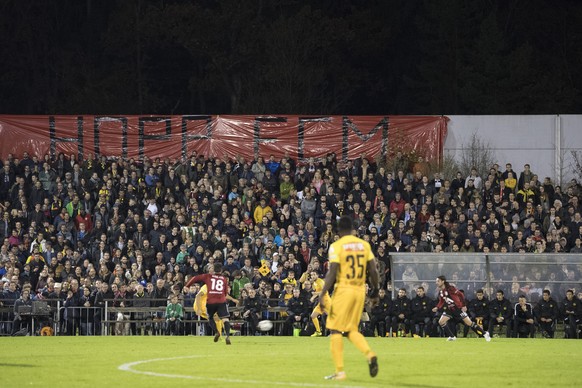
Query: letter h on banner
54 139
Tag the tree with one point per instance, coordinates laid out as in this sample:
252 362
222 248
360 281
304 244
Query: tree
476 153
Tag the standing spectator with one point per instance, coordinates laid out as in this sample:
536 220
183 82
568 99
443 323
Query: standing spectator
510 182
262 210
286 188
20 318
122 299
525 176
73 304
572 314
525 195
397 205
56 300
159 299
142 319
308 205
474 176
7 180
457 183
87 315
258 169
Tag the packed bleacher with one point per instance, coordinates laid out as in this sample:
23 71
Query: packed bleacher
107 244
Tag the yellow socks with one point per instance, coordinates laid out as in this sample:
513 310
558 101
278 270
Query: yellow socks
316 324
219 325
337 351
359 342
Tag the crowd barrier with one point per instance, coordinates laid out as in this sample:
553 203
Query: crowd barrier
515 274
115 320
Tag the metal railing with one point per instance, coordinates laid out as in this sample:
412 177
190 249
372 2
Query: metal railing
112 319
515 274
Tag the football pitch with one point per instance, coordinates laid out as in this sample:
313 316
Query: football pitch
285 362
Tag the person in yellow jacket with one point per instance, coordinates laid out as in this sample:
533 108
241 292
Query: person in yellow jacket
261 210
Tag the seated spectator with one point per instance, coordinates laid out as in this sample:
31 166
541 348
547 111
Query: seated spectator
174 316
421 314
523 319
571 311
546 313
252 311
478 310
298 308
400 314
500 313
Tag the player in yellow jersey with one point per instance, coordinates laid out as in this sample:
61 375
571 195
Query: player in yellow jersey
317 285
350 259
200 309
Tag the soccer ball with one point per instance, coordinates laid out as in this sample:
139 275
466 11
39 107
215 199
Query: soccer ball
265 325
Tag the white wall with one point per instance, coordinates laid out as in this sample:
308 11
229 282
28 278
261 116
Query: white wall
522 139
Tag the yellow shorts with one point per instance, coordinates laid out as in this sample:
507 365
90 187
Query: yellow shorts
200 305
200 302
346 309
327 303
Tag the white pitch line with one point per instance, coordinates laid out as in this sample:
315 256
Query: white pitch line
128 367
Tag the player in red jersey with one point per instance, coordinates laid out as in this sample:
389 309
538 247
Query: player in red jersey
455 301
216 303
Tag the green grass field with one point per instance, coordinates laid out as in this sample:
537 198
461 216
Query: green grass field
285 361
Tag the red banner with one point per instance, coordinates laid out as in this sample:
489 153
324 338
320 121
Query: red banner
175 136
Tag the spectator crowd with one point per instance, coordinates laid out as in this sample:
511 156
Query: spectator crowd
134 231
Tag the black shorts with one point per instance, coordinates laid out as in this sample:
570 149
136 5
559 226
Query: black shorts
220 308
457 314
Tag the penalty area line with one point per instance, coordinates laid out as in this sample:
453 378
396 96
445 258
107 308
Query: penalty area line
129 367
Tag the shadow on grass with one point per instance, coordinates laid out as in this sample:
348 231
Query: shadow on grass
19 365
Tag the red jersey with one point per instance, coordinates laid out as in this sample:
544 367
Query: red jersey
452 297
217 287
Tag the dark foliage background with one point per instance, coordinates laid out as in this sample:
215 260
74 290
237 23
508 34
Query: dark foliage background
286 56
